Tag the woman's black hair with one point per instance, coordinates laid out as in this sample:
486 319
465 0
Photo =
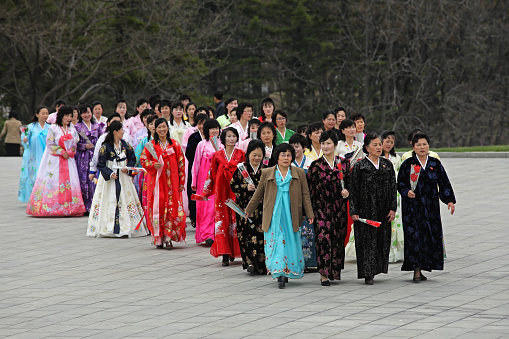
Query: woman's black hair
146 112
139 102
412 133
154 98
326 114
302 129
183 97
298 139
357 116
175 105
264 102
83 109
120 101
384 136
59 102
282 148
418 136
37 111
337 110
164 103
313 127
242 106
13 114
64 110
203 108
254 145
189 105
280 112
344 124
330 134
113 115
272 128
226 102
95 103
254 121
208 125
114 126
368 139
158 122
199 118
149 121
226 130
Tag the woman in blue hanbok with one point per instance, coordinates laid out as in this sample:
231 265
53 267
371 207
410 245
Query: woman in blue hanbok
285 194
33 139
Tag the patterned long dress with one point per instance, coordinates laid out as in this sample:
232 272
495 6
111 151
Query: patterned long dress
32 156
397 236
218 183
422 223
83 158
330 214
57 188
250 234
372 196
166 218
204 209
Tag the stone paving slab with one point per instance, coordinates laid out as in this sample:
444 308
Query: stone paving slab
57 283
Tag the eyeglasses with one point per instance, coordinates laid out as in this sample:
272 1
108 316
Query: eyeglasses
285 155
281 119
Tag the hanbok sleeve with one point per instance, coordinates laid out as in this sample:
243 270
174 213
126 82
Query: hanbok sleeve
196 163
392 188
180 162
95 158
208 186
30 129
354 190
313 189
238 184
101 165
51 143
138 151
147 162
131 157
446 192
404 179
306 200
81 141
258 194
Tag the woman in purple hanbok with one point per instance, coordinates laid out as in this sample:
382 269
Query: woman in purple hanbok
89 131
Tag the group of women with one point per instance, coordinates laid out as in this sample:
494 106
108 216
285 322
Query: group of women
280 200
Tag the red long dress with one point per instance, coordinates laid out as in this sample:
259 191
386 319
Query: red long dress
218 183
167 221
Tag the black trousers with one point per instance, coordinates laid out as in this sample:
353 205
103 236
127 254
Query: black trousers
12 150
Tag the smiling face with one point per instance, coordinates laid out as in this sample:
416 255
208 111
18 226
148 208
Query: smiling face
66 119
200 126
375 147
214 132
328 147
421 147
255 157
162 130
299 151
231 105
87 116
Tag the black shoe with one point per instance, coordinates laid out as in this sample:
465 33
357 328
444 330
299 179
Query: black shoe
193 223
225 260
159 246
232 259
169 245
423 278
286 279
251 270
369 281
325 282
280 282
86 214
209 242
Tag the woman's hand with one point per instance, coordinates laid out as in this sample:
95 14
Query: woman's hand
88 146
251 187
411 194
391 216
114 176
450 206
181 188
355 217
248 215
25 139
91 177
124 170
65 155
157 165
310 220
345 193
193 188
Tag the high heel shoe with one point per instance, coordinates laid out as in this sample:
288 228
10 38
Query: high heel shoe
369 281
325 282
226 260
169 245
251 270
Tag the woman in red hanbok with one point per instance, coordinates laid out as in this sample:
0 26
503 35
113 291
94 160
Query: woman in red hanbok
165 177
223 165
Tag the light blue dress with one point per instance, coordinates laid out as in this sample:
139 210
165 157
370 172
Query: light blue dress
283 248
32 155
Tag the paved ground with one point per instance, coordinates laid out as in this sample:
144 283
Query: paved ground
55 282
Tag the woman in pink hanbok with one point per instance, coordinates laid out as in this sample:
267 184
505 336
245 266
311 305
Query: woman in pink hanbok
201 166
57 187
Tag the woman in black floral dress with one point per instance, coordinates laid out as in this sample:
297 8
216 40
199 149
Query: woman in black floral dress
372 197
328 182
250 234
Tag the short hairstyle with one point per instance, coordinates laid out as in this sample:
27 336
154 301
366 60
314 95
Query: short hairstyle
146 112
164 103
202 108
384 136
282 148
302 129
412 133
175 105
120 101
330 134
313 127
154 98
226 130
183 97
357 116
280 112
64 110
95 103
37 111
151 119
227 102
112 116
59 102
337 110
13 114
189 105
199 118
139 102
242 106
418 136
208 125
264 102
158 122
114 126
298 139
270 125
368 139
218 95
254 145
254 121
345 124
83 109
326 114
